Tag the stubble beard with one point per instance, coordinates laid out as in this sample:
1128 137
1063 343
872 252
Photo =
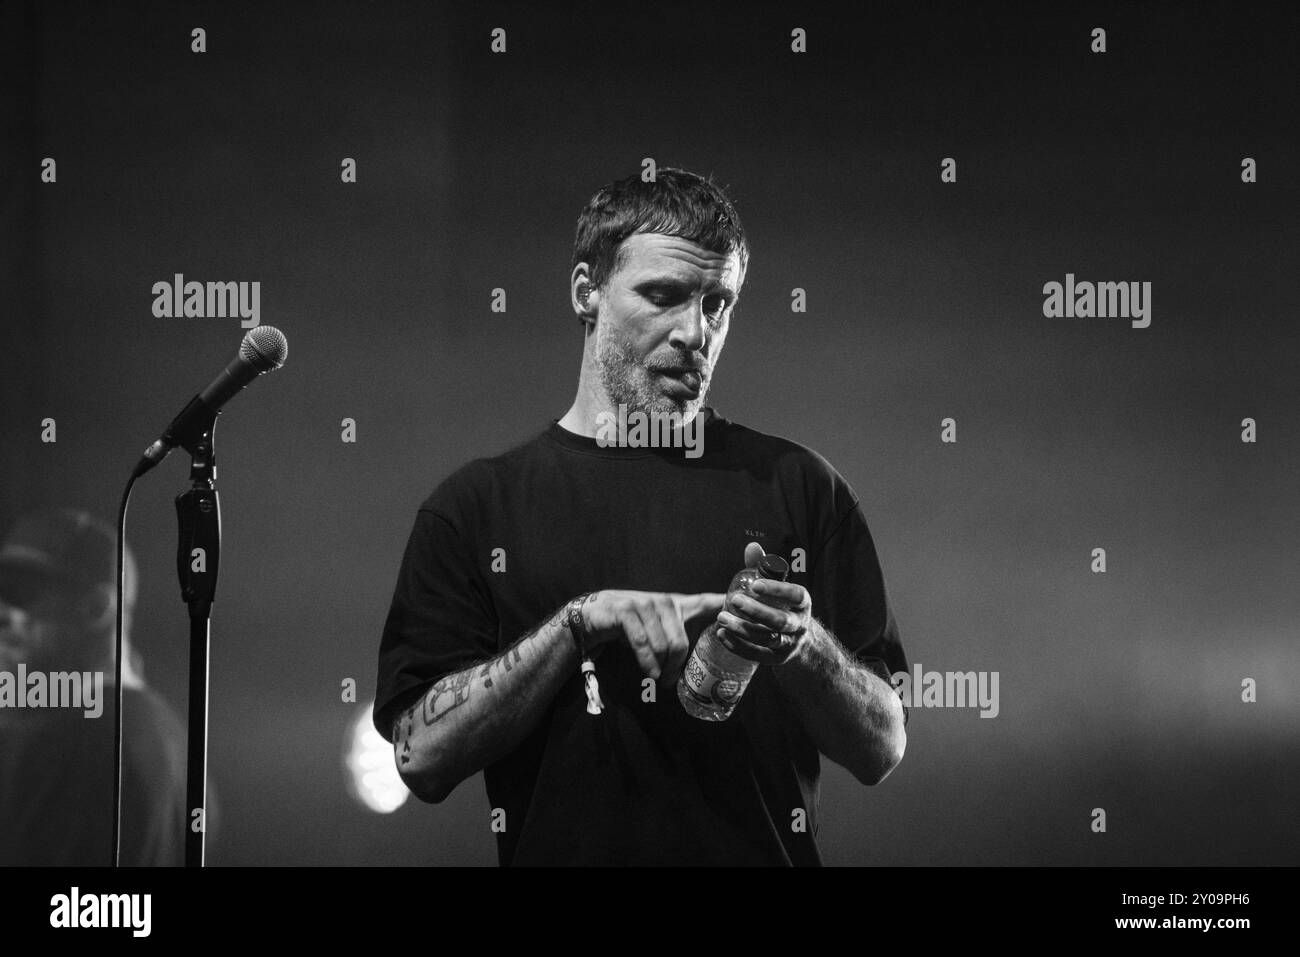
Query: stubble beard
628 383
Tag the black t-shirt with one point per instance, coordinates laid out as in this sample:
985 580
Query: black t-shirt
504 542
56 784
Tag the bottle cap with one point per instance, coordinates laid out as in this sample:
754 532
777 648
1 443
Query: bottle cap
773 566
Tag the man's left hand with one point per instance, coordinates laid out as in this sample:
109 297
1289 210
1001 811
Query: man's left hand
769 626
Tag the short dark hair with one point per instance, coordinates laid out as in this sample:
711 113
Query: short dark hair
676 203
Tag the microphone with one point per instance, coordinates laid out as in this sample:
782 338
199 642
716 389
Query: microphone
263 350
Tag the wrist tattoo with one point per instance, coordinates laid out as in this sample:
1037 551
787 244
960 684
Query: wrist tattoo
577 622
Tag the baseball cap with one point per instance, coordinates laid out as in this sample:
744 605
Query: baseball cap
59 547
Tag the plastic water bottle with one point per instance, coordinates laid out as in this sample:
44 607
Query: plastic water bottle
715 676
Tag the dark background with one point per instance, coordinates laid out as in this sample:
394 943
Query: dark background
1119 691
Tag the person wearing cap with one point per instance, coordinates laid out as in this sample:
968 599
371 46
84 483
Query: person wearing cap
58 607
548 596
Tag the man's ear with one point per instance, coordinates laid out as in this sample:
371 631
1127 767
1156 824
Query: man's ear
584 295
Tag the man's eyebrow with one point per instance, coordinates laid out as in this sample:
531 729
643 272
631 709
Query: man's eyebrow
680 283
683 281
723 288
662 279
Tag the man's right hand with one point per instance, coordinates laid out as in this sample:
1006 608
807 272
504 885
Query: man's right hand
652 623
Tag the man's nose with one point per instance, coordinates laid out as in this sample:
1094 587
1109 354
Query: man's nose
689 329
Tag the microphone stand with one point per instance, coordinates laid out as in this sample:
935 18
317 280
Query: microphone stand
197 558
198 555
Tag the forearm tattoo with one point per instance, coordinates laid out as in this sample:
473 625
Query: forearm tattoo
446 696
453 691
449 693
402 729
501 665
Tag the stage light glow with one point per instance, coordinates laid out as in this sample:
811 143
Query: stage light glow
368 762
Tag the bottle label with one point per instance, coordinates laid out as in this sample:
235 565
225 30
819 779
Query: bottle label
708 685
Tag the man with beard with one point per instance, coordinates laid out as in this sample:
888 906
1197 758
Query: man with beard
568 549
